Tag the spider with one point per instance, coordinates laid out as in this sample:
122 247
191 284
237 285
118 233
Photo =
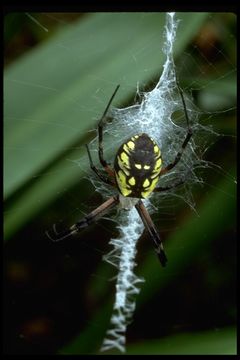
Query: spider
135 174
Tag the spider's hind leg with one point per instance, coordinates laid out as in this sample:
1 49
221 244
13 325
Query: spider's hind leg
58 236
152 231
85 221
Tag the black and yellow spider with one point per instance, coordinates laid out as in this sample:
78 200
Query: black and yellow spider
137 169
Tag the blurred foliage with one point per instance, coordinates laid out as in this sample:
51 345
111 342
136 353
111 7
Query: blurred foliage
215 342
56 84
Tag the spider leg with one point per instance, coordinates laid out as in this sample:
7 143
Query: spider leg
104 163
86 220
93 167
57 236
165 188
186 140
149 225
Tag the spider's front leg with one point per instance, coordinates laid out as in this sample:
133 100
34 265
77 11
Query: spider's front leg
86 221
103 162
186 140
106 180
110 180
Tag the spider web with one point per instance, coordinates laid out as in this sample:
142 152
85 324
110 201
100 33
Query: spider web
154 113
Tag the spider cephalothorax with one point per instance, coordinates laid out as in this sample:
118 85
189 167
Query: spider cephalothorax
137 169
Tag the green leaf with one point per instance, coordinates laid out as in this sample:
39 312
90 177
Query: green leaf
214 342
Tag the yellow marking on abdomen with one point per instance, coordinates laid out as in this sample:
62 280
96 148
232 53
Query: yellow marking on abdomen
125 158
122 166
125 148
146 167
157 168
122 183
148 191
138 166
131 145
146 183
132 181
156 150
158 164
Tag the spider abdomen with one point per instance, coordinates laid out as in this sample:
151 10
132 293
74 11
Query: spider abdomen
137 166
